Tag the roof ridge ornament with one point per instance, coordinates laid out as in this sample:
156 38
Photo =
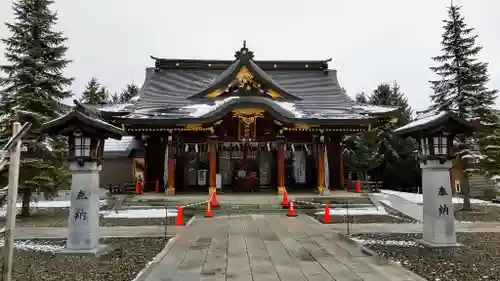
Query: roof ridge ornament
244 52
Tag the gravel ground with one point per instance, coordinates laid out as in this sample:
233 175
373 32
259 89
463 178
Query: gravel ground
58 217
368 219
123 264
487 213
479 259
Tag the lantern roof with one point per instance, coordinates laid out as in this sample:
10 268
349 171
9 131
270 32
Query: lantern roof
83 118
437 122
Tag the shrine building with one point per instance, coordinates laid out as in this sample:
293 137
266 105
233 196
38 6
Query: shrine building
239 125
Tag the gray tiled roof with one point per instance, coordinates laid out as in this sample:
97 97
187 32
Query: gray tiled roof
166 91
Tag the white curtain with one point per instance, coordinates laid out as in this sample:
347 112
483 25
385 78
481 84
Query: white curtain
327 171
299 166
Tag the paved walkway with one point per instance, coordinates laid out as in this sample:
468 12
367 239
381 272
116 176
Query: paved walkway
159 230
268 248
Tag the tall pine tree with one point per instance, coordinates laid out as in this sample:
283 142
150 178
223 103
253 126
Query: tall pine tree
462 88
129 92
397 165
32 88
94 93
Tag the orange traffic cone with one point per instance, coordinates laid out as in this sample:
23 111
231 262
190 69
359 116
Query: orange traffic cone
138 188
208 212
326 217
358 186
291 210
214 202
179 220
284 201
157 187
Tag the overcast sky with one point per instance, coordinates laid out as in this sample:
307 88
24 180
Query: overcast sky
369 41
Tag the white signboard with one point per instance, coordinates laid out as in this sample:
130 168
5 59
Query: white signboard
202 177
218 181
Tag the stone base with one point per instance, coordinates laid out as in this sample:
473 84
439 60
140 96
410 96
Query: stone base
96 252
170 192
434 245
281 190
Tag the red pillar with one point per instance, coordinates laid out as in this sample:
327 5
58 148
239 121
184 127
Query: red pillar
321 165
171 167
280 141
212 169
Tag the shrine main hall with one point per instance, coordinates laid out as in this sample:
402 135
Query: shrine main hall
240 125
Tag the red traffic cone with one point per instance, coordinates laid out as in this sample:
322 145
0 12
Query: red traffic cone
291 210
284 201
214 202
157 187
326 217
138 188
358 186
208 212
179 220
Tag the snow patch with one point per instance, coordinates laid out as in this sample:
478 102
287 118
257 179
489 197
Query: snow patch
354 211
386 242
419 198
44 205
32 246
139 213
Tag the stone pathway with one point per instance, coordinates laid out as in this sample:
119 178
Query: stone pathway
159 230
268 248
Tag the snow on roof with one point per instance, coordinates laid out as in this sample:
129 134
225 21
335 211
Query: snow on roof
198 110
117 107
290 106
424 120
375 108
118 145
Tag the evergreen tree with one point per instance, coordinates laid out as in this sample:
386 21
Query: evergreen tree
94 93
361 98
397 165
129 92
115 98
462 89
390 95
32 89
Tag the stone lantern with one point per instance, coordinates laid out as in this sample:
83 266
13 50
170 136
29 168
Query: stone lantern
435 134
86 133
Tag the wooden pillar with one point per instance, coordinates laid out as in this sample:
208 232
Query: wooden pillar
171 167
341 163
280 141
335 162
321 165
212 163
